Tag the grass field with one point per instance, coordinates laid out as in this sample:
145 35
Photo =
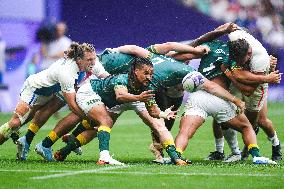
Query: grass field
129 142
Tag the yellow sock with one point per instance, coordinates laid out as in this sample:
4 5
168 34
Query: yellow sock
252 145
53 136
86 124
104 128
179 150
167 143
82 139
33 127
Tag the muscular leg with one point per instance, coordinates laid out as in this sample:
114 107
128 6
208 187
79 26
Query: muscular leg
22 114
188 126
267 127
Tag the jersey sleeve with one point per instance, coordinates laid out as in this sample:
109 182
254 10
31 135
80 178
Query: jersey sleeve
67 81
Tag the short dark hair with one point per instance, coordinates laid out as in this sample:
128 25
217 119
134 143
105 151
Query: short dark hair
137 63
238 49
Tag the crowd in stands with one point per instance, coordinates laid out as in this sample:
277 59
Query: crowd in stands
263 18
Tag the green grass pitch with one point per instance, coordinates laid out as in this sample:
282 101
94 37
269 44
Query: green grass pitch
130 139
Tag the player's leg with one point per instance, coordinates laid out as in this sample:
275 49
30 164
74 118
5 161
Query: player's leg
218 154
64 126
40 118
242 124
165 137
267 126
188 126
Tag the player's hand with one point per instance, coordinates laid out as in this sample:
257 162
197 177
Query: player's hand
240 104
145 96
228 28
273 63
203 49
169 114
273 77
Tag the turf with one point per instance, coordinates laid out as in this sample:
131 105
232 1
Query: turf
129 142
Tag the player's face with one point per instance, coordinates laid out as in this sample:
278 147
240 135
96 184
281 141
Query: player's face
247 57
88 61
144 74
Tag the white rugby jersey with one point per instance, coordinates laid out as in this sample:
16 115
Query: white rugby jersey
260 58
61 75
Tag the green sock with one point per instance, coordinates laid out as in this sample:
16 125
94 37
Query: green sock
79 129
72 145
30 136
104 138
47 142
171 150
254 151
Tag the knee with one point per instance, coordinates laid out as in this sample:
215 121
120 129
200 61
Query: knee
15 122
107 121
263 121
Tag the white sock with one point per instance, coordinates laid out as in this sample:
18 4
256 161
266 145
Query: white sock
231 137
274 140
104 154
219 142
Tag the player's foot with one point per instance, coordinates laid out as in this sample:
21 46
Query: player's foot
233 158
23 148
216 156
66 138
157 150
263 160
15 136
105 159
58 156
276 153
46 153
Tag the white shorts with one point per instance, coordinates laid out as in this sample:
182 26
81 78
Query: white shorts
28 96
87 99
254 102
136 106
204 104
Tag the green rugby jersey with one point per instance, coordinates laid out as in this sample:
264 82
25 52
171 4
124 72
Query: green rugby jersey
105 88
210 64
168 72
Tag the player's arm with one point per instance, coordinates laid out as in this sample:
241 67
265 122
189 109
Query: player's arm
167 47
248 77
244 88
133 50
197 81
71 101
155 111
123 96
219 91
218 32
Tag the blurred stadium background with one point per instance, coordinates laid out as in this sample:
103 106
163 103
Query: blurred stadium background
114 23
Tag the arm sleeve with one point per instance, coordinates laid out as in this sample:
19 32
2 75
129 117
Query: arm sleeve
67 81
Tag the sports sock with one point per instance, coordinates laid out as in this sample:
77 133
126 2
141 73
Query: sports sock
169 145
104 137
50 139
32 130
84 125
231 137
219 144
71 145
274 140
254 150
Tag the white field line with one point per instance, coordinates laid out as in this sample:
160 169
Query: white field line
190 174
70 173
35 171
